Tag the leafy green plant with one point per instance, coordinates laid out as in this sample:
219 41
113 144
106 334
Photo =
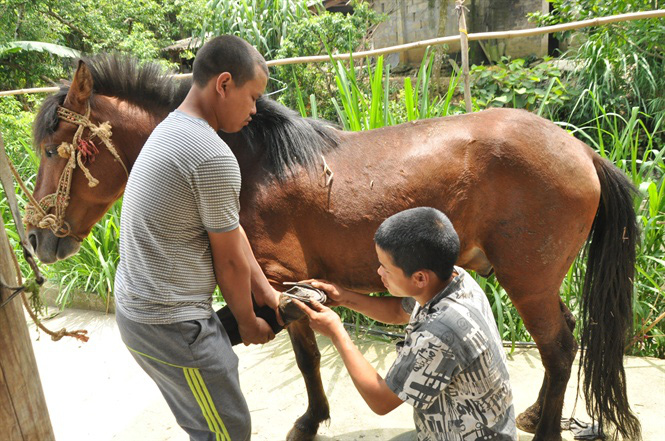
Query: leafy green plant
366 105
140 27
319 34
263 23
513 83
93 268
38 46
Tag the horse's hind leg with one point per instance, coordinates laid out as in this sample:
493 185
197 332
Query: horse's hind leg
528 420
550 324
308 358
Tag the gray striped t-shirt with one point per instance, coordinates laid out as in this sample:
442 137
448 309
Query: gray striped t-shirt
184 183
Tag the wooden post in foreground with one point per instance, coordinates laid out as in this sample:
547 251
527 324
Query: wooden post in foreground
23 412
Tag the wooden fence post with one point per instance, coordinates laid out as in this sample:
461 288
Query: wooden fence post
464 50
23 412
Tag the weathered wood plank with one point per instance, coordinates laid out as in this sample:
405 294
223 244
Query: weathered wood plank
23 412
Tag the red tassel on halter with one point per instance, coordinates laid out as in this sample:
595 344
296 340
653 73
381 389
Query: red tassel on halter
88 150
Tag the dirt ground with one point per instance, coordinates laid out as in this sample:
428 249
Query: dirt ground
95 390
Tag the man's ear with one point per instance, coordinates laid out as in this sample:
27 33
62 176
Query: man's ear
222 83
420 278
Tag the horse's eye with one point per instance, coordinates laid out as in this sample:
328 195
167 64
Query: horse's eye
50 151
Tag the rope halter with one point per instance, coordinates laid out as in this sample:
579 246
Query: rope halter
79 151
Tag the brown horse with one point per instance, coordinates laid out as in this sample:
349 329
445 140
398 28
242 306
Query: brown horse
523 194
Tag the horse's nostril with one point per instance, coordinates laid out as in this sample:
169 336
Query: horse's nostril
32 237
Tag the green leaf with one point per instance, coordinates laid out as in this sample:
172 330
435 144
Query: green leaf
38 46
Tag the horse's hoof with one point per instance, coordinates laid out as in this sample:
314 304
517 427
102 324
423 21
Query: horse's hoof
296 434
527 421
303 292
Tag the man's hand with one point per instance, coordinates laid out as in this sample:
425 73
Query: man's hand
336 295
321 318
256 331
268 297
372 387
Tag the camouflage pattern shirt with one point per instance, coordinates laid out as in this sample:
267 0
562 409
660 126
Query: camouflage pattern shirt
452 367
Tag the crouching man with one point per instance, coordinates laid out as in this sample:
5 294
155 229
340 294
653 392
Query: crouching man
451 366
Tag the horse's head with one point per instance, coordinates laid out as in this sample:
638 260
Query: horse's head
90 133
82 169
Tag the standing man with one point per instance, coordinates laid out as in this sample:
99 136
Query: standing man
181 237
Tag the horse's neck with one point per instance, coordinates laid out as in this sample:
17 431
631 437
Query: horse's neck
137 125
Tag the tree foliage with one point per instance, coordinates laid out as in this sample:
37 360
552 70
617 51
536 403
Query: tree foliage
264 23
139 27
319 35
620 64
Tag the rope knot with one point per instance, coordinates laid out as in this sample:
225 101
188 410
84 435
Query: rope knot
102 131
65 150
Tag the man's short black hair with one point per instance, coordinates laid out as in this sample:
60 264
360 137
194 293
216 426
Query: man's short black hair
420 238
227 53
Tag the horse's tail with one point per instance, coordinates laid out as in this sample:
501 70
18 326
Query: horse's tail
607 302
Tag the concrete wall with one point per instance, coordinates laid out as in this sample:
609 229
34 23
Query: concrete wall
415 20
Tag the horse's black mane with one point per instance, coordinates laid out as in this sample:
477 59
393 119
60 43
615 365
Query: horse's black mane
288 139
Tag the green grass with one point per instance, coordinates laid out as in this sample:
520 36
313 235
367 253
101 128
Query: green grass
369 100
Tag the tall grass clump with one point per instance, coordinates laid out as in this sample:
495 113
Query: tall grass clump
368 99
621 63
92 269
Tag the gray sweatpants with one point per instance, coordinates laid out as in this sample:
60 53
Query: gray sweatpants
196 370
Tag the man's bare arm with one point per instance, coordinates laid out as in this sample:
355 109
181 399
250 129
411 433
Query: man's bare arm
233 273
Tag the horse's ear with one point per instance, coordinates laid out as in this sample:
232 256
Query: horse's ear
80 89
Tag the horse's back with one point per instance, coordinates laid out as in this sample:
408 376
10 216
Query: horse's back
494 154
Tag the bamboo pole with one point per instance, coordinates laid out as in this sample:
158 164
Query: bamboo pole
23 412
658 13
464 49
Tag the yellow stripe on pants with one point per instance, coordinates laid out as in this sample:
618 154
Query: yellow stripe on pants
202 396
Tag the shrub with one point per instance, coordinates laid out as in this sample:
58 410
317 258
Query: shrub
514 83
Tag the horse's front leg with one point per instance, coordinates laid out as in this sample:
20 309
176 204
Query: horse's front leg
308 358
230 323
